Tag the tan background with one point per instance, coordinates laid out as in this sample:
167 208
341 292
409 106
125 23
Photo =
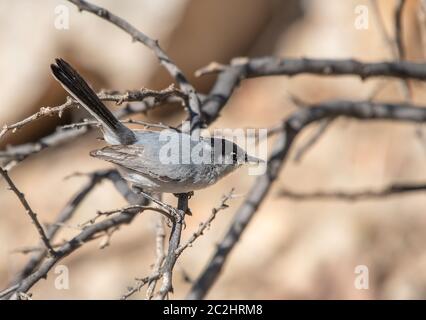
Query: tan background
291 249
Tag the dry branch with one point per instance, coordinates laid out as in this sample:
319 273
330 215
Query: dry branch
89 233
392 190
29 211
200 111
194 105
63 216
291 127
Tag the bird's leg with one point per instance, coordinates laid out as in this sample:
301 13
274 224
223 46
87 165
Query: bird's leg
189 195
168 208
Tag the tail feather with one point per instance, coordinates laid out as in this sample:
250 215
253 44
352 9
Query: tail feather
81 91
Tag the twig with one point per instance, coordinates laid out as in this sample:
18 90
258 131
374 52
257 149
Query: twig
175 236
66 213
115 96
142 94
322 127
107 238
174 215
76 242
44 111
21 152
29 211
29 249
229 79
8 291
132 208
398 29
193 100
392 190
387 40
160 255
89 233
206 224
396 47
422 24
130 121
141 283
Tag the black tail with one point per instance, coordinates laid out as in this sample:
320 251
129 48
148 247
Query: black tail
80 90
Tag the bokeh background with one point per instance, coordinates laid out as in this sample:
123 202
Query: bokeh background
305 249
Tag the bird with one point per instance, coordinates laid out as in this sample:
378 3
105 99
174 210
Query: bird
150 160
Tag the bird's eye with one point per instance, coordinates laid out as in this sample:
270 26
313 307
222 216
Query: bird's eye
234 157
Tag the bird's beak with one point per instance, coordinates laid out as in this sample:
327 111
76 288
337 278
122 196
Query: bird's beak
254 161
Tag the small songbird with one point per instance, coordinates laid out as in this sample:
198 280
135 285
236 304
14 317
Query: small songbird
140 154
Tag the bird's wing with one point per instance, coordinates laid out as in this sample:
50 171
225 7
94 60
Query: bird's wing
134 157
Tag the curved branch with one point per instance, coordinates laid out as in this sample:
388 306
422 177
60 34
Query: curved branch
291 127
194 104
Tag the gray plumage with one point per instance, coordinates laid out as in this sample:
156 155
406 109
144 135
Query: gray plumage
145 158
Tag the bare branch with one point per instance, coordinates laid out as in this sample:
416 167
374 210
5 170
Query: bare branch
29 211
174 241
141 283
193 105
44 111
206 224
130 121
228 80
322 127
160 254
125 209
59 137
272 66
230 76
67 212
398 28
86 235
392 190
387 40
290 129
89 233
115 96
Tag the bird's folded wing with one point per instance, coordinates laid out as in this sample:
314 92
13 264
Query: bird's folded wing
134 157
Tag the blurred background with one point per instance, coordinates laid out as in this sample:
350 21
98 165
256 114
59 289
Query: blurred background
292 249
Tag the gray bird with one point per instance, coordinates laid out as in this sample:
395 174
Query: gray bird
143 156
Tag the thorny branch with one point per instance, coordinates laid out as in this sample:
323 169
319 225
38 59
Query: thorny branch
114 96
206 224
127 209
157 272
15 154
